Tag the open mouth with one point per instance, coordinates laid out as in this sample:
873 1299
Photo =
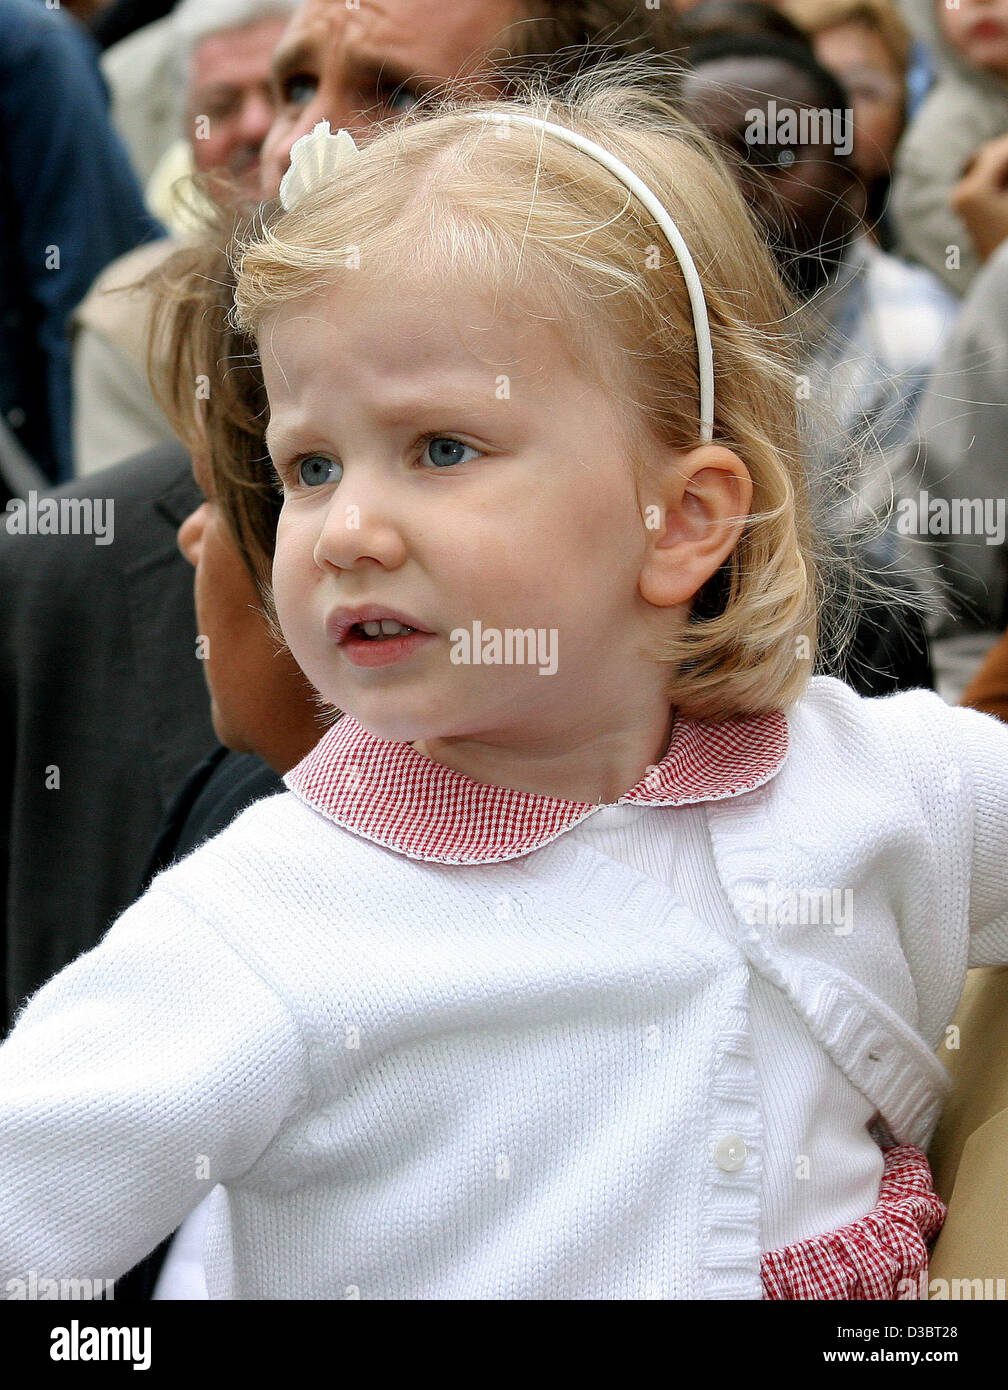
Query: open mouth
378 631
397 642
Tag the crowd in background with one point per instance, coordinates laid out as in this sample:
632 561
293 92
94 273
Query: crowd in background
888 232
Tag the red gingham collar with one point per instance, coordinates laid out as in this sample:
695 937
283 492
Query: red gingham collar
389 793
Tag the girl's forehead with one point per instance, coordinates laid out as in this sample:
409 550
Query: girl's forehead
373 323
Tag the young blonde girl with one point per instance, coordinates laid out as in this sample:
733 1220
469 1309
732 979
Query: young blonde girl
621 980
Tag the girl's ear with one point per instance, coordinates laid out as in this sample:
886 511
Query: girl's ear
702 507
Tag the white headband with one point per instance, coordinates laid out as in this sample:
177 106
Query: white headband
315 157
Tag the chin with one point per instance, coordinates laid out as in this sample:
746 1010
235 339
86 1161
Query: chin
397 722
393 730
226 732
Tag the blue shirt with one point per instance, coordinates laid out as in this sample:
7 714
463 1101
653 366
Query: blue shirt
69 204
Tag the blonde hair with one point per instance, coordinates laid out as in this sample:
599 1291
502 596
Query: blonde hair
881 17
541 224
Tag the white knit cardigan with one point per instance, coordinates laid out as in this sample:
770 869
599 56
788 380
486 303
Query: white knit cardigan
412 1079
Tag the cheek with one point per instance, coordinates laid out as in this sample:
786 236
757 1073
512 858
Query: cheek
293 565
886 120
572 537
222 583
276 153
208 154
952 22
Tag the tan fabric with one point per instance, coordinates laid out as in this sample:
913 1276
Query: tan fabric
974 1240
969 1151
988 690
115 414
172 196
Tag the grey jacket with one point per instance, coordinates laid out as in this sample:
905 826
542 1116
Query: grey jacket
964 430
964 109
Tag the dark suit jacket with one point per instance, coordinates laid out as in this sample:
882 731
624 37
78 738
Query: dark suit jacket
98 679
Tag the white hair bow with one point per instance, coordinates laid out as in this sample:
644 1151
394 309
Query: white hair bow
314 159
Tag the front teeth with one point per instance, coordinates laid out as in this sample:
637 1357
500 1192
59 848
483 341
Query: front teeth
386 626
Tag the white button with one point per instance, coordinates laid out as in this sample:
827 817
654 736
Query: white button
730 1152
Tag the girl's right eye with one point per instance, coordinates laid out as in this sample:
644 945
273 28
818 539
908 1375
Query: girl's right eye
315 469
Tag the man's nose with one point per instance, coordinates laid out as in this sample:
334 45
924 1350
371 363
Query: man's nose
190 534
255 120
328 104
283 134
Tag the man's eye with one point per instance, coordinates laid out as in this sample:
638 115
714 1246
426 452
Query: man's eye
443 451
300 89
316 469
398 99
221 109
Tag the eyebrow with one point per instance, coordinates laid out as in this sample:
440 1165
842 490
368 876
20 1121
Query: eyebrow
216 90
384 76
393 415
303 53
388 74
291 58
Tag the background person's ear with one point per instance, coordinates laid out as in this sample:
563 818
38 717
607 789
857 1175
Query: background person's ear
704 502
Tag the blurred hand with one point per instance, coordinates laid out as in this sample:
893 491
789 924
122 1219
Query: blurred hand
981 196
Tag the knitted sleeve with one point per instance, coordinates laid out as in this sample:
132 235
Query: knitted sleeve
149 1070
957 760
984 745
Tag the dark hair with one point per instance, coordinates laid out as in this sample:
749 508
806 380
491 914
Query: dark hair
560 39
711 18
796 53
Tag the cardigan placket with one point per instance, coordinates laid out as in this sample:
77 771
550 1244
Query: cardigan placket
876 1049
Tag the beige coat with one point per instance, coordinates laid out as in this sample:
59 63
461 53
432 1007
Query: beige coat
115 414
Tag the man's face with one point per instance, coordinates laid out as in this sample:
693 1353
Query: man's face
230 101
259 700
358 68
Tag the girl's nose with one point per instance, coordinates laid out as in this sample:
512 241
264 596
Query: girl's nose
190 534
355 531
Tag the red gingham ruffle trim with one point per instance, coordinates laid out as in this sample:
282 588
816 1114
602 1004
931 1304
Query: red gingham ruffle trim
884 1255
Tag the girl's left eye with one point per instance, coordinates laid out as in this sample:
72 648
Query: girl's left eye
316 469
443 451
